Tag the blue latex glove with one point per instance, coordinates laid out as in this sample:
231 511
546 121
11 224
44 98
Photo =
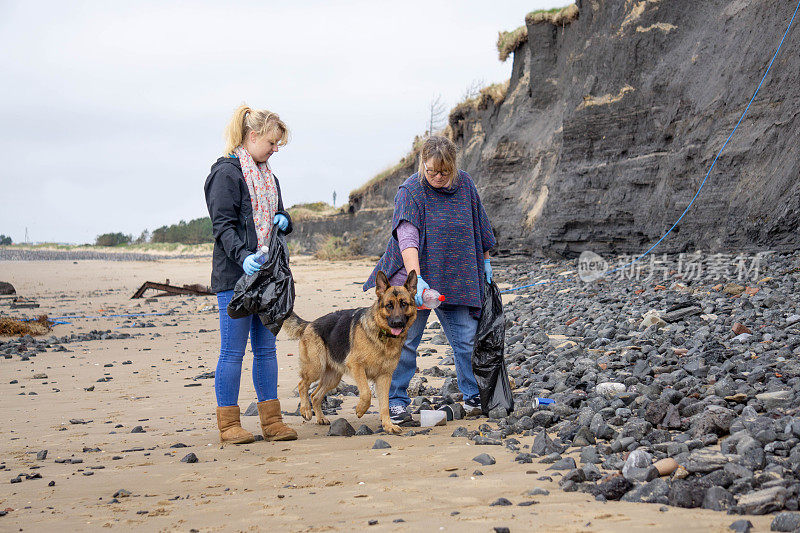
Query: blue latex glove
281 221
487 269
421 286
250 265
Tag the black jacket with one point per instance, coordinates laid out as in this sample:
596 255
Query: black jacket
231 213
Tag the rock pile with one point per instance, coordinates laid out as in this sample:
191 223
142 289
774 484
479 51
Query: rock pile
658 387
27 346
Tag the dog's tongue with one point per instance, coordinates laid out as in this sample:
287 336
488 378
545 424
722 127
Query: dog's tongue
396 331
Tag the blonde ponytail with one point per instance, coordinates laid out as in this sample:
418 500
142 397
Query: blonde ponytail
261 121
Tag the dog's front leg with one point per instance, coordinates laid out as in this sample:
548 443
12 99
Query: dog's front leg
382 384
364 393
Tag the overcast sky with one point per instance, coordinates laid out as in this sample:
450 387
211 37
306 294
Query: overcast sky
111 113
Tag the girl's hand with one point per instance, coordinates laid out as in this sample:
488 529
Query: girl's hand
250 265
281 221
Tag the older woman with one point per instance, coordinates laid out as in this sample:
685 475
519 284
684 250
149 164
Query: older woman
440 230
244 202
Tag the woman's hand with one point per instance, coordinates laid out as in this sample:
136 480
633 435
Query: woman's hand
281 221
487 269
421 286
250 265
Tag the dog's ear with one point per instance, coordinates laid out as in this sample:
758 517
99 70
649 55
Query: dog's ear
411 283
381 283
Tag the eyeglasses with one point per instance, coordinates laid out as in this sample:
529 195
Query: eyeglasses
432 174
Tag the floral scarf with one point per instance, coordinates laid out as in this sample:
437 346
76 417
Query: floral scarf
263 193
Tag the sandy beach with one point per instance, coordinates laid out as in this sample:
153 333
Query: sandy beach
424 482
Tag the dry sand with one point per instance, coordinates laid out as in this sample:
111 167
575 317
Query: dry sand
317 483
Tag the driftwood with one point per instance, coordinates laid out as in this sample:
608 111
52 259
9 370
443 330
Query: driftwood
171 290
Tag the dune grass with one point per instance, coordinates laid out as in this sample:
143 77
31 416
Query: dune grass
334 248
313 209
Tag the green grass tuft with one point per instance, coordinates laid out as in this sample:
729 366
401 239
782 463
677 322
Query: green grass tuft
558 16
509 41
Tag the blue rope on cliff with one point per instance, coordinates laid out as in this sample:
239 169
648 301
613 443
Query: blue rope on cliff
707 173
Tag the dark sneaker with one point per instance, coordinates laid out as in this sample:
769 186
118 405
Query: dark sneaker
472 407
399 414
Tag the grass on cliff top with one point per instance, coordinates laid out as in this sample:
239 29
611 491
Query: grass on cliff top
558 16
509 41
495 93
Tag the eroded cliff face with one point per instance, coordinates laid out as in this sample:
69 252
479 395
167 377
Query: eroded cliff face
611 122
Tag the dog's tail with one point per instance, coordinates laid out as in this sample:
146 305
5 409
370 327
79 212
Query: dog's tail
294 326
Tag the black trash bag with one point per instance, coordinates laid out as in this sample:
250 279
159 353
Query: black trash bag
488 362
269 293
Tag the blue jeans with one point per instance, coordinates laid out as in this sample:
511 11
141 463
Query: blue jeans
233 334
459 327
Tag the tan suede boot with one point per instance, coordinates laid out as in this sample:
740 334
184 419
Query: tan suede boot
230 428
272 425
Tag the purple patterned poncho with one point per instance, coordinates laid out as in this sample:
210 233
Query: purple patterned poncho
454 232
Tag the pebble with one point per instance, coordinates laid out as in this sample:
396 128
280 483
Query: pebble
741 526
666 466
785 522
364 429
498 413
610 389
484 459
381 444
566 463
341 428
189 458
538 492
654 491
776 399
763 501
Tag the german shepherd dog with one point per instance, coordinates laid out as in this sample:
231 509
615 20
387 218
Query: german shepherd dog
364 342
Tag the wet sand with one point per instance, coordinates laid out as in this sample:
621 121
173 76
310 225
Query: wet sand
317 483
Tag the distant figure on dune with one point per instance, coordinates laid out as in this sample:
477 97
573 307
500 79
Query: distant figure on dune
244 202
440 230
